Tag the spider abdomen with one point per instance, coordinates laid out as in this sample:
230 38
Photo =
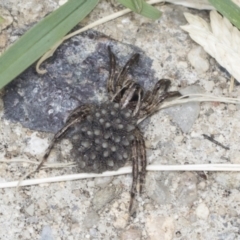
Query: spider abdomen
102 141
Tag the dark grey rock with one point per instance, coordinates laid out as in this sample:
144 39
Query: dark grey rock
77 74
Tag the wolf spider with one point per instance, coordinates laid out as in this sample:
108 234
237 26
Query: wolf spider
105 136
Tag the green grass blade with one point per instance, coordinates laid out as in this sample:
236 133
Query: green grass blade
1 20
145 9
229 10
138 5
33 44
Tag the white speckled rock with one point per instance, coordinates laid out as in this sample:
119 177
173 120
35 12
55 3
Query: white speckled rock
131 234
6 15
30 210
157 190
103 182
160 228
202 211
46 233
185 115
198 59
91 219
227 180
104 196
186 192
36 145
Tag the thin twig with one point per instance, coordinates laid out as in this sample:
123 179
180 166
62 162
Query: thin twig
103 20
196 98
126 170
211 139
46 165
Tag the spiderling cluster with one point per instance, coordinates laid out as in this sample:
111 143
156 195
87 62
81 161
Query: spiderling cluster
103 140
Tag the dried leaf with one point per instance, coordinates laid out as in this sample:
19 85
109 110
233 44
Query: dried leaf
219 38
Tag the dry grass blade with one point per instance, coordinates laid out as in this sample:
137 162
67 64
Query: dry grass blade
219 38
229 9
46 165
201 4
125 170
199 98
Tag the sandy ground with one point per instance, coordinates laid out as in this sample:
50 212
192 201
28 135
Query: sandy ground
174 205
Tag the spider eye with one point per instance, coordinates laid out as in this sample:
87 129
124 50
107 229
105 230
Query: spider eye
86 144
110 163
113 148
101 120
130 127
120 126
107 124
119 157
97 114
106 153
81 163
89 133
93 156
107 135
116 105
117 139
125 142
118 120
97 132
104 111
104 145
89 118
113 113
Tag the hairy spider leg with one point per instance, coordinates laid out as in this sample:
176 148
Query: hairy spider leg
76 116
135 170
116 84
153 99
121 78
139 162
112 72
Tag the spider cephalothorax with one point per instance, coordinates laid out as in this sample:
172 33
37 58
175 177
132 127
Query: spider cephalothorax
105 136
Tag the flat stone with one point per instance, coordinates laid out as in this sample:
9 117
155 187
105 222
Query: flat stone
186 192
30 210
185 115
160 228
157 190
227 180
105 196
198 58
76 75
46 233
91 219
7 18
202 211
103 182
131 234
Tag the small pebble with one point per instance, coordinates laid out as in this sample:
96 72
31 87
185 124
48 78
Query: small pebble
202 211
